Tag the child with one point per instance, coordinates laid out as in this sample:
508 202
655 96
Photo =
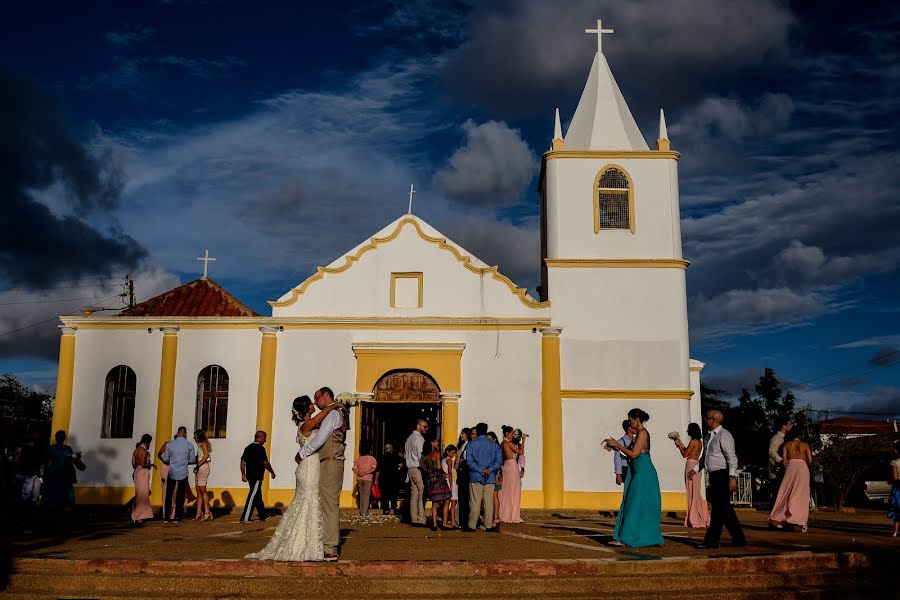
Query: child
364 467
448 465
29 498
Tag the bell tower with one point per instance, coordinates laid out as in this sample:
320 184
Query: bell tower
611 247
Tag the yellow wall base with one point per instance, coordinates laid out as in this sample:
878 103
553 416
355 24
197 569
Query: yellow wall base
531 499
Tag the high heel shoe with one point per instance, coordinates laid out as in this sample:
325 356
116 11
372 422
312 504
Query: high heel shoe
199 516
207 516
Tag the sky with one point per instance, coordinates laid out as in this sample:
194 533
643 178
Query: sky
134 136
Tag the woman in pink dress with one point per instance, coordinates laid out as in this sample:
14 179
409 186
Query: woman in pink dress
140 461
511 492
697 511
792 503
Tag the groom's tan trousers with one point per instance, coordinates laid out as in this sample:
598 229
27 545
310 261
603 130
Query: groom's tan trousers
331 480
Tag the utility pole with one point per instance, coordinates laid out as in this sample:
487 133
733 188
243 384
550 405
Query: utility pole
128 291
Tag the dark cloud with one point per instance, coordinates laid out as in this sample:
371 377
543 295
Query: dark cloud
885 357
524 55
882 401
493 167
515 248
40 246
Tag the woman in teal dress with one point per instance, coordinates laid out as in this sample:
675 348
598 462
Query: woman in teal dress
638 521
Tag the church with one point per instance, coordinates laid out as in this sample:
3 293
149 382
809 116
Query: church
416 326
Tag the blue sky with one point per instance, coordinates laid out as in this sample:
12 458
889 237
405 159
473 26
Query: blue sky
133 136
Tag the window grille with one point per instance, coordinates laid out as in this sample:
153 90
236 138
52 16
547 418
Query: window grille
212 401
613 199
118 404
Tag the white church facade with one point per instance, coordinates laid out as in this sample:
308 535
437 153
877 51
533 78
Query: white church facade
414 324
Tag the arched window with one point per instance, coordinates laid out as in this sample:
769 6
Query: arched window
212 401
613 201
118 402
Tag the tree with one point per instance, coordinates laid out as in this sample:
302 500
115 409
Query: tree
845 459
22 409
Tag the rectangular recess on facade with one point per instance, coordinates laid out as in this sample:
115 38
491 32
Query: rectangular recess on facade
406 290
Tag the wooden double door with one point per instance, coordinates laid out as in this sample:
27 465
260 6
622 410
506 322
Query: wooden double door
400 398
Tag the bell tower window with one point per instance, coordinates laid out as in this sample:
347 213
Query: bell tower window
613 200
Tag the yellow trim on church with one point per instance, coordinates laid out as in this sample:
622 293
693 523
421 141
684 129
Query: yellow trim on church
165 404
234 497
596 200
619 394
619 154
265 392
440 361
65 376
393 323
409 275
616 263
374 242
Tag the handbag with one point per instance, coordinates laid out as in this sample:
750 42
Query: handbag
376 491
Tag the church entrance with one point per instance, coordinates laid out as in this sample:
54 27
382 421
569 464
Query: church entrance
399 399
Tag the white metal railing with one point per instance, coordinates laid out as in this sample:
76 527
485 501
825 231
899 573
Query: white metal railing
743 495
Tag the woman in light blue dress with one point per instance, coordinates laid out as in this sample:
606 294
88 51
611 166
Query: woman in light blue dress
638 521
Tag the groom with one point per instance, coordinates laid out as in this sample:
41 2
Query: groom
329 442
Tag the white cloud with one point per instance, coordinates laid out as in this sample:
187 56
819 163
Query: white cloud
881 340
492 167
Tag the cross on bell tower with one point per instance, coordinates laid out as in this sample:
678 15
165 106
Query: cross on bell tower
599 31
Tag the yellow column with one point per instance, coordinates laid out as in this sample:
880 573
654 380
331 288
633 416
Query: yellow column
551 413
265 393
450 420
62 407
165 404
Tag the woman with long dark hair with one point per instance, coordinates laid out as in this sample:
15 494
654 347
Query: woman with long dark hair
201 475
299 533
638 521
697 511
140 461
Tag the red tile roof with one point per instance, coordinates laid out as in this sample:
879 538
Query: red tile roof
851 425
199 298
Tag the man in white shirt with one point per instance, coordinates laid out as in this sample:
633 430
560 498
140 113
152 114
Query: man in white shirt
720 461
776 473
413 451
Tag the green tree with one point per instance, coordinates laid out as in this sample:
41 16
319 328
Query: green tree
23 409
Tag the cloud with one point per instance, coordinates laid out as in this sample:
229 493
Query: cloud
885 357
733 119
40 246
514 247
884 340
526 55
493 166
129 37
34 313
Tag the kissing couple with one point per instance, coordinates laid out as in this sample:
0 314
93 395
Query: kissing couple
310 527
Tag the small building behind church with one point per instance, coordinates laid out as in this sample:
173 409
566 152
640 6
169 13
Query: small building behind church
416 326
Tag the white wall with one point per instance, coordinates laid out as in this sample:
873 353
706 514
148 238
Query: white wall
570 210
237 351
587 422
96 352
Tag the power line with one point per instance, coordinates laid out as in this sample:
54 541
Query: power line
30 325
65 287
50 301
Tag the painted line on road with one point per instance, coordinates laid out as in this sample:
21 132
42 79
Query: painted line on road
538 538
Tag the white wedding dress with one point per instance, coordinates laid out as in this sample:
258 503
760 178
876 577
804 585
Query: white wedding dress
299 534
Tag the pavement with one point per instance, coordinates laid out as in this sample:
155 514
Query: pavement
104 533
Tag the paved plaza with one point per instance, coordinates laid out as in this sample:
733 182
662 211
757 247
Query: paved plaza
96 553
106 534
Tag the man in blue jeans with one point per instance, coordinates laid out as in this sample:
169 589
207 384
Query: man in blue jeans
483 458
179 454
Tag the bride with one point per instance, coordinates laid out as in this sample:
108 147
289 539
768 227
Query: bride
299 534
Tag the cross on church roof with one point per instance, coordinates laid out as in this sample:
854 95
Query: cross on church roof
206 260
599 31
412 191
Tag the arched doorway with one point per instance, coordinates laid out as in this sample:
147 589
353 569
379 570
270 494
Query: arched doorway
399 398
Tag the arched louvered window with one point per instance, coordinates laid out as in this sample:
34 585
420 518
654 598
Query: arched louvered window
118 402
212 401
613 200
